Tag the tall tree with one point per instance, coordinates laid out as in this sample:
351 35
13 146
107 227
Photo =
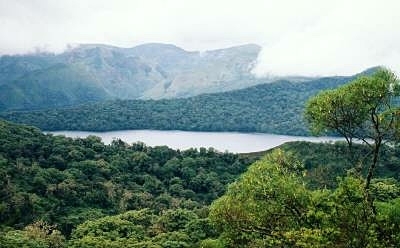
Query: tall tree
366 109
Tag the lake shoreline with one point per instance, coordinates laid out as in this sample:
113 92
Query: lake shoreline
236 142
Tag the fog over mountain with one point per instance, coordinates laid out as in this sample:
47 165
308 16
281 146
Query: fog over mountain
95 72
44 66
307 37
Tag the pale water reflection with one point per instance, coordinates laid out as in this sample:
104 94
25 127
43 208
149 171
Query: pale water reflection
222 141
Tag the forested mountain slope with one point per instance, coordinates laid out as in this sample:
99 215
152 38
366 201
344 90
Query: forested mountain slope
325 162
271 108
58 192
273 205
95 72
66 181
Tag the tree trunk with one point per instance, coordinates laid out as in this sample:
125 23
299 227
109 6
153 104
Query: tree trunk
371 168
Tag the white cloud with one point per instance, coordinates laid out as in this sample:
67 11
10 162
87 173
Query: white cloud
350 37
309 37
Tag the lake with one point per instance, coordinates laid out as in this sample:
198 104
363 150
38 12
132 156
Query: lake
222 141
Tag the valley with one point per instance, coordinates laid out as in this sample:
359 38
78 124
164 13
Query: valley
199 124
275 108
202 167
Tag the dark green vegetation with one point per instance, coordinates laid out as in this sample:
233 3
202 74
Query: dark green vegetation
58 192
325 162
66 182
366 109
61 192
272 108
97 72
275 203
271 205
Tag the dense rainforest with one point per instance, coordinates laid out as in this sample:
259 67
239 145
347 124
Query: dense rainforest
59 192
66 181
272 205
271 108
64 192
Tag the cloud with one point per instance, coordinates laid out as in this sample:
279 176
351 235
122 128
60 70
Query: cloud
307 37
349 38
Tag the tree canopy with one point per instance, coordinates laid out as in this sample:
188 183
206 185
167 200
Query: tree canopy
366 109
271 108
271 205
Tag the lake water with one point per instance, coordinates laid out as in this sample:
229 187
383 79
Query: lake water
222 141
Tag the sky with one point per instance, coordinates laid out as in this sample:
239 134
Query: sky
298 37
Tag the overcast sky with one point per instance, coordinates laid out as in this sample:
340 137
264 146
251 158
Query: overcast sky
299 37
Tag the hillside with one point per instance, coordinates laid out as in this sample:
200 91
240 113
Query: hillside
325 162
67 181
271 108
95 72
58 192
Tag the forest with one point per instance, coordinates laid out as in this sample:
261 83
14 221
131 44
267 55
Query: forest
63 192
270 108
67 181
59 192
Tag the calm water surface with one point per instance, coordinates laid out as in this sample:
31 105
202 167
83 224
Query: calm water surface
222 141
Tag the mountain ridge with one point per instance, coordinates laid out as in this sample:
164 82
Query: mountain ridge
147 71
96 72
275 107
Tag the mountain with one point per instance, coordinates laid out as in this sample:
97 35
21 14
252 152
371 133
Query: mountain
95 72
275 107
194 73
58 85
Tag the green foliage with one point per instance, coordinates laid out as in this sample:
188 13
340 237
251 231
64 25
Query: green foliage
178 228
366 109
122 195
128 228
264 203
271 206
17 239
173 220
324 162
246 110
353 109
70 181
37 235
389 221
212 243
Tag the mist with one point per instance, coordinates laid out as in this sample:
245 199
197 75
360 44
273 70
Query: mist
308 38
346 40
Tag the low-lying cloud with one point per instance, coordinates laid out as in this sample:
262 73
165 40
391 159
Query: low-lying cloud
347 39
308 37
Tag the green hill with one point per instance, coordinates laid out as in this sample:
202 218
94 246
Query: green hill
67 181
325 162
111 195
271 108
